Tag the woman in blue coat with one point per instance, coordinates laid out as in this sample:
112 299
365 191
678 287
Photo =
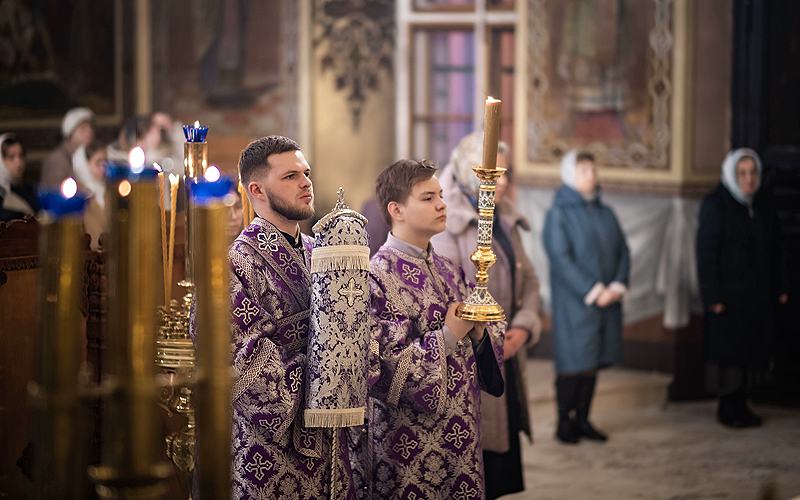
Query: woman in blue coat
589 267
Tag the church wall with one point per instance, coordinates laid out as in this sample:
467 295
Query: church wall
344 156
352 118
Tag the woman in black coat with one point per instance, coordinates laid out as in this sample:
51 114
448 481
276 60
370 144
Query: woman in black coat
738 269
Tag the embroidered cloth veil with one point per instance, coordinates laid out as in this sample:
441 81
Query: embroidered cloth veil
336 367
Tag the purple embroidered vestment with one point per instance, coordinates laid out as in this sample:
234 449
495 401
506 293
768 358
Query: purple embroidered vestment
423 437
274 456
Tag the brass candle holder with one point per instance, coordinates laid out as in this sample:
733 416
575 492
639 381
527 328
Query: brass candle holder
480 305
175 352
195 162
211 207
175 355
59 434
131 465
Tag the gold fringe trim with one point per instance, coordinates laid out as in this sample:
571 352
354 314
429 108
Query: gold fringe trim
339 258
336 417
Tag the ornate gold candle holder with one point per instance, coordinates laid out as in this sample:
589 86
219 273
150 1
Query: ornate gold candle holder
175 355
480 305
175 352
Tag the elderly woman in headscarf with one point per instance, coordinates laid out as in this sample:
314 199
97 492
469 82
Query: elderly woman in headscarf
77 127
89 166
17 198
589 269
738 264
513 283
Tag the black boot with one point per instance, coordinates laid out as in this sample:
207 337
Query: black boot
746 415
729 411
565 397
585 391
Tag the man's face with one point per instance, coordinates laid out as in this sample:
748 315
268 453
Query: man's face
288 186
424 212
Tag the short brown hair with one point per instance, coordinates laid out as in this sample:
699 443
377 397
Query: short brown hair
397 180
256 155
584 156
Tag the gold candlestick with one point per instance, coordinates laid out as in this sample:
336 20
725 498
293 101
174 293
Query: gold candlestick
131 462
59 434
213 393
480 305
195 162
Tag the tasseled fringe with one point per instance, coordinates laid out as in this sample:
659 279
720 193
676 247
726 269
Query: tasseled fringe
336 417
340 258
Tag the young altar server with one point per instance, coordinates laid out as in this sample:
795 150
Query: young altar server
423 433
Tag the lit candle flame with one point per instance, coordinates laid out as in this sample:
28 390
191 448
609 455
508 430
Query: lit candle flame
124 188
69 187
136 159
212 174
173 179
492 99
197 124
157 167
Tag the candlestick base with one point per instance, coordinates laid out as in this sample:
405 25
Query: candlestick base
480 306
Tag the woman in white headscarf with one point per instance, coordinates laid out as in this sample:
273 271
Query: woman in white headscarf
741 283
88 163
589 272
513 283
18 199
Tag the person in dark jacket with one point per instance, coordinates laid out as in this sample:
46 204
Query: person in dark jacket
589 269
738 265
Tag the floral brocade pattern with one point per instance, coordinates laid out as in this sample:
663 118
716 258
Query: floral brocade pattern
274 456
340 329
423 437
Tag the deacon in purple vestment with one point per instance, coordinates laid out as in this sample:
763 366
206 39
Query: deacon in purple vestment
423 437
274 455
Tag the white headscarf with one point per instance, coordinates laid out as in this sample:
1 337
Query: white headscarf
467 154
73 118
568 163
5 175
95 187
729 174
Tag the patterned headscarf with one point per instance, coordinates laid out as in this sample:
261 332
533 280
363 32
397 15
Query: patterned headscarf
466 155
729 173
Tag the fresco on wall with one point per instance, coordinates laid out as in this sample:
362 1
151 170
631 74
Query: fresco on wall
599 79
54 55
231 63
